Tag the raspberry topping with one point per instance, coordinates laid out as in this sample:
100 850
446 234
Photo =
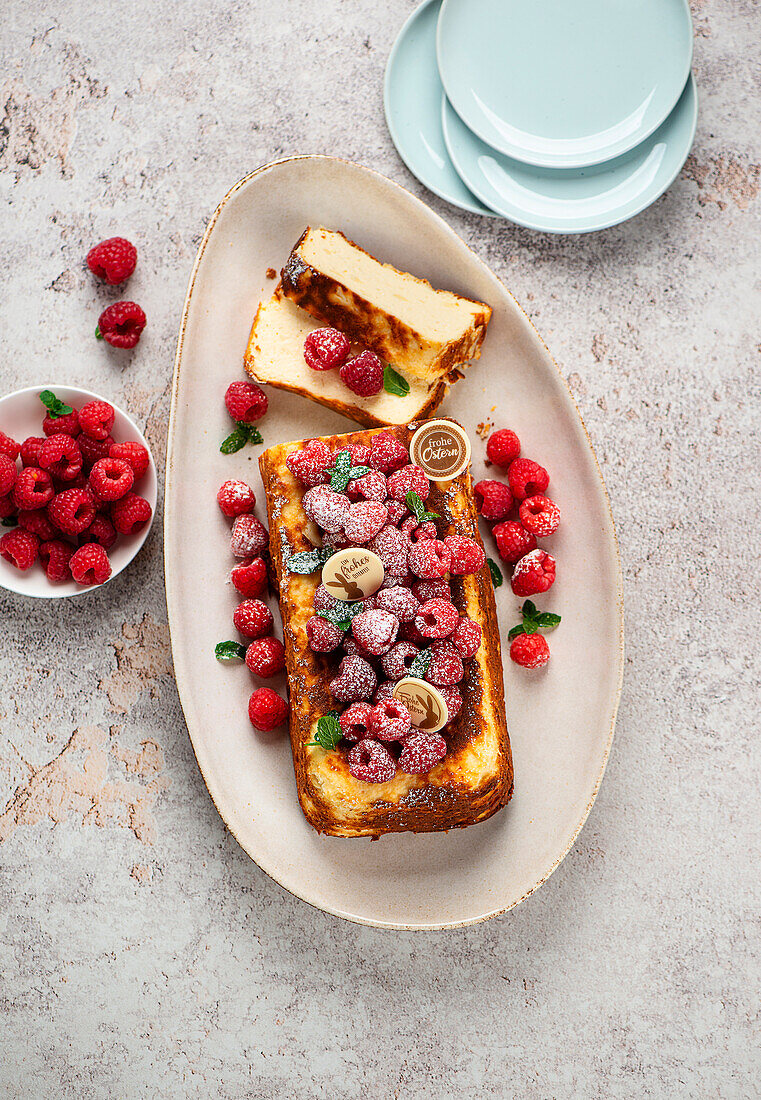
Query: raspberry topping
421 752
90 565
429 559
250 578
245 402
384 691
55 555
540 516
375 631
533 573
323 635
371 486
326 507
503 447
354 721
466 638
310 465
72 511
396 663
130 513
9 446
527 478
112 260
493 500
386 453
7 475
33 489
396 511
266 657
530 650
389 720
121 325
363 374
235 497
399 601
467 555
391 547
110 478
437 618
96 419
356 680
61 457
364 520
513 541
360 454
323 601
409 479
326 349
248 537
371 762
446 665
267 710
431 590
134 453
253 619
19 547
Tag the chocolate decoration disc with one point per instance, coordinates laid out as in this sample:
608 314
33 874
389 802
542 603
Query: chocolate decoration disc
425 704
441 449
353 573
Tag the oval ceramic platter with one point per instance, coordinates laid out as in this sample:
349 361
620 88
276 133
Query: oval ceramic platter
561 720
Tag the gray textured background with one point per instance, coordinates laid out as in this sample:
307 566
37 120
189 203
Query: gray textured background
141 952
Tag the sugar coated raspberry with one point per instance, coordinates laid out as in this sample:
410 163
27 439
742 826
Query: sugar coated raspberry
363 520
399 601
250 578
409 479
33 488
513 541
326 507
390 720
503 447
375 631
535 572
408 632
360 453
437 618
354 721
267 710
246 402
323 601
391 546
396 512
134 453
253 619
371 762
130 514
93 449
431 590
30 450
235 497
371 486
396 663
112 260
310 465
529 650
266 657
7 475
363 374
90 565
121 325
326 349
453 700
9 447
429 559
111 478
540 516
493 500
446 665
386 453
383 691
96 419
421 752
55 555
467 555
102 531
19 547
466 637
62 425
38 523
61 457
248 537
356 680
527 478
323 635
72 511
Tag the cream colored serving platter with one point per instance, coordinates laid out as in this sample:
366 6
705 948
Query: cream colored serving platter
561 720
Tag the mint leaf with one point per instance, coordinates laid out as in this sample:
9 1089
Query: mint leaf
98 333
341 471
496 573
416 506
547 620
328 732
254 435
515 632
421 664
341 616
358 471
234 442
55 407
10 521
309 561
529 626
229 651
394 383
529 610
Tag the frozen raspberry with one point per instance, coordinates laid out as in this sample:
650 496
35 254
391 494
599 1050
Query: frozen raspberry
235 498
396 512
396 663
446 665
429 559
363 374
7 475
417 531
245 402
90 565
9 447
310 465
421 752
72 511
540 516
33 489
134 453
111 478
493 500
30 450
391 547
253 619
513 541
267 710
466 637
431 590
55 555
527 478
399 601
437 618
323 635
266 657
371 762
121 325
96 419
386 453
248 538
323 601
61 457
354 721
384 691
326 507
38 523
326 349
250 578
529 650
453 700
19 547
93 449
467 555
113 260
130 514
356 680
390 720
102 531
364 520
375 631
503 447
371 486
360 453
62 425
409 479
535 572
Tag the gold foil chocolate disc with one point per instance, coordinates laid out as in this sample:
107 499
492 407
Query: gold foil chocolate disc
441 448
353 573
424 702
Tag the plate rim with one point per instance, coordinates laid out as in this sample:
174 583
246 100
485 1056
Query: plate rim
426 926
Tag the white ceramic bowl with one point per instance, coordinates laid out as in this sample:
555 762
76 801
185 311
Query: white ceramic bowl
21 415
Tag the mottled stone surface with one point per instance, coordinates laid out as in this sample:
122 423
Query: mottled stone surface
141 952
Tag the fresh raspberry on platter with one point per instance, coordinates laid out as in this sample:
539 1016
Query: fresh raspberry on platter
8 474
363 374
535 572
246 402
93 450
431 590
530 650
503 447
235 497
540 516
38 523
30 450
326 349
250 578
392 548
57 425
253 619
493 500
248 537
266 657
19 547
371 486
527 478
112 260
375 631
130 513
453 700
267 710
513 541
90 565
399 601
121 325
326 507
371 762
9 447
364 519
96 419
102 531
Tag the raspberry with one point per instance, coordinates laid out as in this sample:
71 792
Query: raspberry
112 260
386 453
130 513
446 665
9 447
513 541
390 720
7 507
503 447
391 547
417 531
55 555
266 657
421 752
493 500
371 486
363 374
310 465
437 618
397 582
253 619
121 325
375 631
335 541
467 555
540 516
111 478
96 419
90 565
527 478
134 453
30 450
350 647
7 475
62 425
38 523
409 479
19 547
535 572
384 691
235 497
356 680
72 511
529 650
323 635
353 721
93 449
102 531
245 402
371 762
431 590
396 511
250 578
399 601
429 559
466 637
33 489
326 507
364 520
326 349
248 537
61 457
267 710
453 700
396 663
360 454
323 601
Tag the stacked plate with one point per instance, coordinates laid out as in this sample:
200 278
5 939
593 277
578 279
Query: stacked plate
560 116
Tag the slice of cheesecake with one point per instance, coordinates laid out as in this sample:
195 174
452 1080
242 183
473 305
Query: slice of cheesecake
420 331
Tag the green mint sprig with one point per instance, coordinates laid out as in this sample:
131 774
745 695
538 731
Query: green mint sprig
55 407
310 560
496 573
421 664
243 434
342 471
394 383
416 506
341 616
328 732
229 651
533 620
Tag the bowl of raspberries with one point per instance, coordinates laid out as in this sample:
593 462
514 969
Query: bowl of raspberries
78 491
